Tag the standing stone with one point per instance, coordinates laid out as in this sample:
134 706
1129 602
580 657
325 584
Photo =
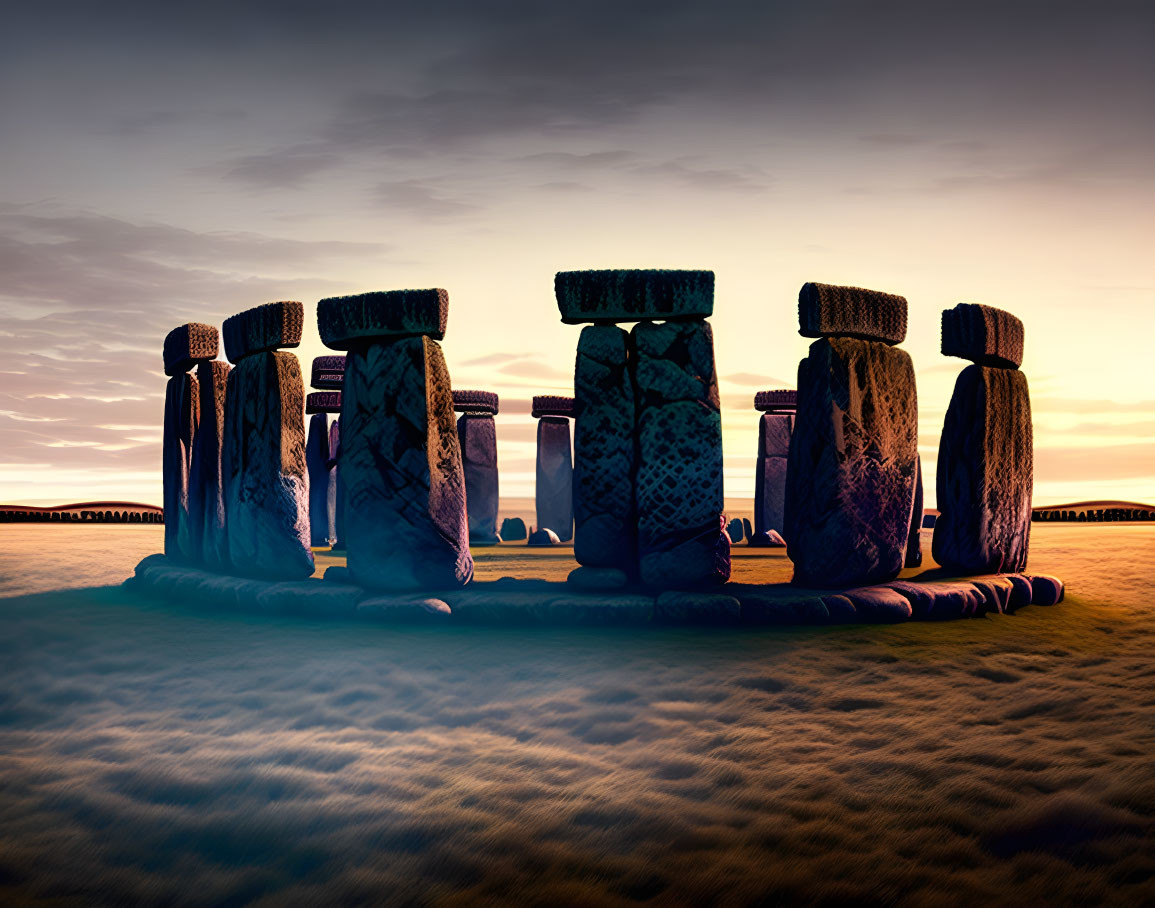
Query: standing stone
853 455
335 466
400 461
914 535
207 494
554 489
605 533
263 459
774 431
181 417
185 348
679 455
985 474
319 460
477 434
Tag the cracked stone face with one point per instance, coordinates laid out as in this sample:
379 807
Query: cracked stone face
679 449
603 474
985 473
554 490
206 491
401 472
852 463
263 460
181 418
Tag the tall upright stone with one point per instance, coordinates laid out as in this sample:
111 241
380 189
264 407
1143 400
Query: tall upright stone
319 460
774 430
553 492
914 534
263 456
185 348
647 437
679 445
477 434
207 491
401 475
852 463
986 457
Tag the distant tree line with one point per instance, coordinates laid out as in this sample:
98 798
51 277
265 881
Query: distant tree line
45 516
1097 515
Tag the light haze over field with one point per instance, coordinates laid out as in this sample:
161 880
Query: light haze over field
167 164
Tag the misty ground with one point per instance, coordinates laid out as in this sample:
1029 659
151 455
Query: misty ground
154 753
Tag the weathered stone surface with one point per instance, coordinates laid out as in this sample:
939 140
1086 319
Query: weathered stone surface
188 345
263 464
914 535
770 605
852 463
322 483
328 372
591 578
513 529
404 609
1045 589
554 489
828 311
206 489
181 418
477 434
350 321
323 402
776 401
734 530
1021 591
840 609
632 295
679 455
774 431
985 474
603 458
551 405
677 607
996 591
400 467
272 326
982 334
339 506
940 601
543 536
475 402
879 604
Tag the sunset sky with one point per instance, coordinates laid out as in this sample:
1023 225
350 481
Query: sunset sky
167 163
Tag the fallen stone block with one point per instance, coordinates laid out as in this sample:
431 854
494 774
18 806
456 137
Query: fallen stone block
633 295
188 346
982 334
400 467
328 373
322 482
852 464
206 490
513 529
347 321
679 607
404 609
879 604
477 434
678 480
1045 589
181 419
940 601
592 578
322 402
543 536
985 474
828 311
553 493
263 465
261 329
551 405
483 402
603 458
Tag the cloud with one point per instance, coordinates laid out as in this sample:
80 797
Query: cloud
416 197
287 168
